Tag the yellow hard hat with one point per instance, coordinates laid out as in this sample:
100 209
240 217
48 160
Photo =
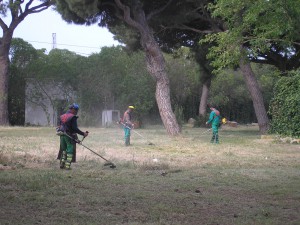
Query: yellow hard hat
131 107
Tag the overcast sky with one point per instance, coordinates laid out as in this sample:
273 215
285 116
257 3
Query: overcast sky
37 29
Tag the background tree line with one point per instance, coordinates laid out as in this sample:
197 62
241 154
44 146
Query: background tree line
116 77
222 34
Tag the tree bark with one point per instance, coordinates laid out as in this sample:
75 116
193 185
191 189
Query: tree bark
256 95
204 97
4 64
155 63
156 67
3 91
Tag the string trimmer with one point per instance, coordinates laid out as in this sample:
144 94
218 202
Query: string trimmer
149 143
205 131
108 163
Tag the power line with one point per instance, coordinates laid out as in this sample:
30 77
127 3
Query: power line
81 53
80 46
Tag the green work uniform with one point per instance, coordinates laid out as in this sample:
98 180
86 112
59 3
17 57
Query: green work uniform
68 125
214 119
127 126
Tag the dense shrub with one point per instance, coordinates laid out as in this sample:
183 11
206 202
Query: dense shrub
285 106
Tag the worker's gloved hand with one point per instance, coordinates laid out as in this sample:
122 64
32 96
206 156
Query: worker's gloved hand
206 123
85 134
77 141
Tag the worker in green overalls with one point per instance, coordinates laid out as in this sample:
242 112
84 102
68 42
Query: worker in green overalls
68 126
214 119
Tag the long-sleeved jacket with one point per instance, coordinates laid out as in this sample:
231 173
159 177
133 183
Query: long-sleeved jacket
68 124
214 118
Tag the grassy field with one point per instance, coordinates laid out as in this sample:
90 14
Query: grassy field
184 180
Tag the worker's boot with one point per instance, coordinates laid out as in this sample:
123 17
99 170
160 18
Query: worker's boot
63 159
127 141
213 138
68 161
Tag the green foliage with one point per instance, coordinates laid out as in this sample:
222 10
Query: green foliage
185 82
285 106
179 114
201 120
258 26
114 79
3 8
226 53
78 12
229 93
21 55
111 79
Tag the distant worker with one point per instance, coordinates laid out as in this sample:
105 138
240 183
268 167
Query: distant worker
214 119
128 124
68 126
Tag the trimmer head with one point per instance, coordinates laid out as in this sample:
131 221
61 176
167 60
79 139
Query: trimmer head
110 164
113 166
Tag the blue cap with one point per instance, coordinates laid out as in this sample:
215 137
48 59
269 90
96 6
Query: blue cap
74 106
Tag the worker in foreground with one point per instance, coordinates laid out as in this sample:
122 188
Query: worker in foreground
68 126
128 124
214 119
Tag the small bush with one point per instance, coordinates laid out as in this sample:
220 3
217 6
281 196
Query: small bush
200 121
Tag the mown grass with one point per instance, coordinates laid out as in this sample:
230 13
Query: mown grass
243 180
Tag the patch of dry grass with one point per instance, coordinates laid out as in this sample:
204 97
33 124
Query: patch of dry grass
183 180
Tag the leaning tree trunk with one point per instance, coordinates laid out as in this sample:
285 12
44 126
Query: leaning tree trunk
256 95
156 67
155 63
204 97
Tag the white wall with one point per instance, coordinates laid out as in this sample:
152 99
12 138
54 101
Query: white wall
110 117
42 100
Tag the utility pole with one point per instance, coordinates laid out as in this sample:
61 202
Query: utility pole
53 40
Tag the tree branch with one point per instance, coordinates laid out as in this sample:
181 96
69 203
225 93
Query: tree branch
184 27
41 7
13 11
126 16
157 11
248 39
28 4
27 11
3 25
117 13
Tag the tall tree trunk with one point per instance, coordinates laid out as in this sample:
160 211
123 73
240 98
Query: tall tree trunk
155 63
3 91
4 64
204 97
256 95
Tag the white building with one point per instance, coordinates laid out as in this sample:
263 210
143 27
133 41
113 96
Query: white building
110 117
45 101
